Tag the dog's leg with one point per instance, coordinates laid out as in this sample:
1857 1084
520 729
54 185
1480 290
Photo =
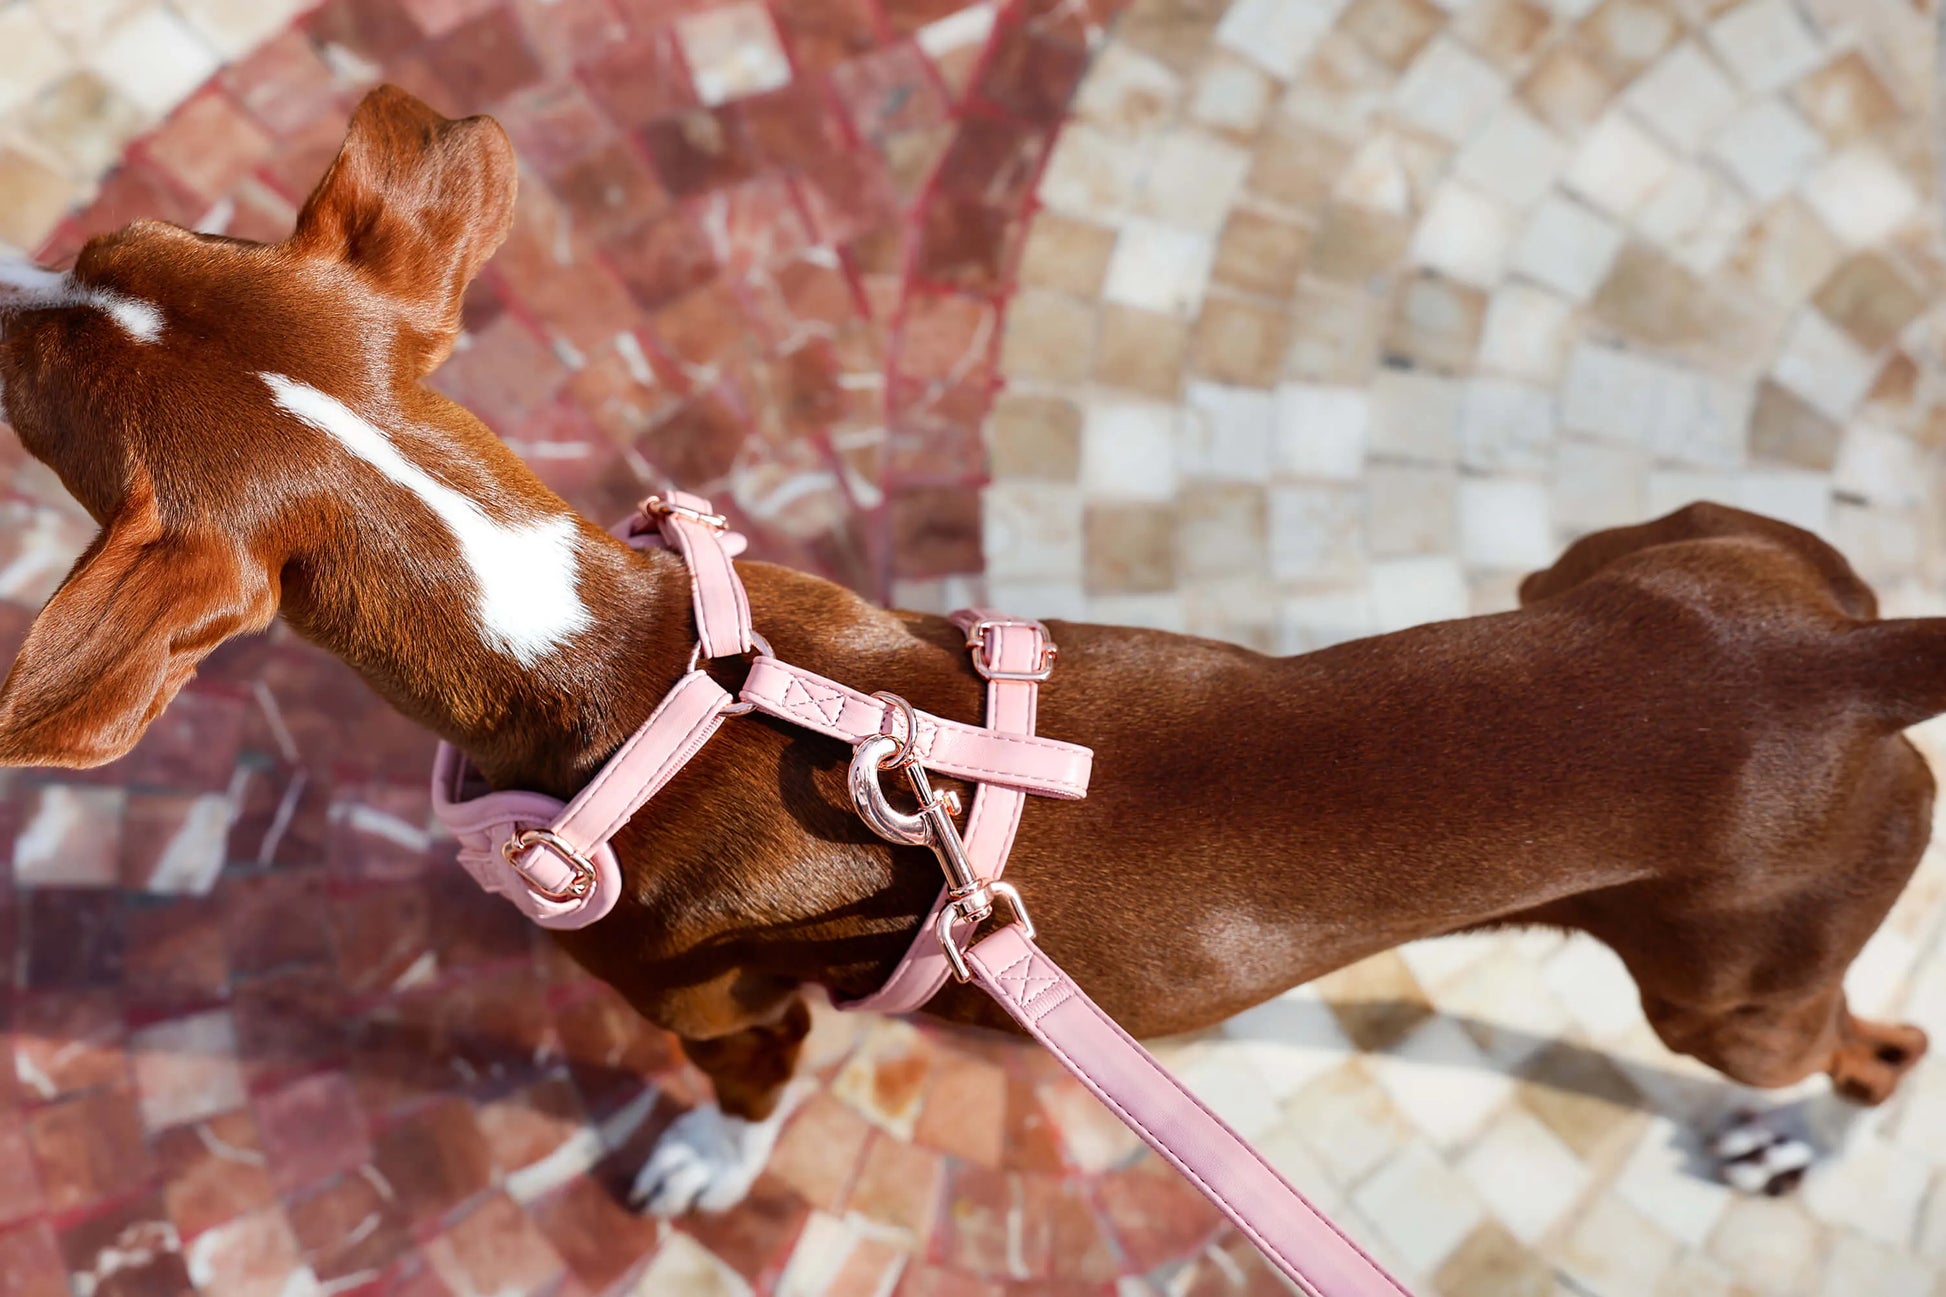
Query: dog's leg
711 1155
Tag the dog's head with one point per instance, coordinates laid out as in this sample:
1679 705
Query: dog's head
169 379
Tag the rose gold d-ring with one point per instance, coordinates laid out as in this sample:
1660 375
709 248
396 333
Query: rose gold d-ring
905 755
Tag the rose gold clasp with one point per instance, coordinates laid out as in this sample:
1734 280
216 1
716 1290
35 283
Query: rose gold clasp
979 638
969 898
656 505
583 869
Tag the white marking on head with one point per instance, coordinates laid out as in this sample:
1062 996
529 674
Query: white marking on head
24 286
524 573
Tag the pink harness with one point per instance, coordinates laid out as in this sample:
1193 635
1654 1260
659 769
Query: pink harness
554 862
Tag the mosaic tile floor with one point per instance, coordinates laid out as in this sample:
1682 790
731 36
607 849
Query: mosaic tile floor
1315 317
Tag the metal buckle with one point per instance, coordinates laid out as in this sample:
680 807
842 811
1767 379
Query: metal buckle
655 504
980 641
758 645
585 873
969 898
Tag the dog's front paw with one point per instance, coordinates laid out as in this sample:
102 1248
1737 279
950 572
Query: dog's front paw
1753 1156
705 1161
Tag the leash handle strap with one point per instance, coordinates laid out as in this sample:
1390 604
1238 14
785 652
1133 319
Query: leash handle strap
1292 1234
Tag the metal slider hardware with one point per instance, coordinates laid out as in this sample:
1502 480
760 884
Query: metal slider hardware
655 504
969 898
981 641
584 870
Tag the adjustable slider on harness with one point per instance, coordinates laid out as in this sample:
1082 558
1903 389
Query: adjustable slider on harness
583 869
986 649
969 898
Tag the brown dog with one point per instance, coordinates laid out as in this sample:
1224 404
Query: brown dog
1687 743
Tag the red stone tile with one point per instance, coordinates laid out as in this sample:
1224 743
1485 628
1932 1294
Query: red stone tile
173 843
284 84
755 1238
128 1250
311 1129
502 374
993 161
70 939
966 244
376 30
437 17
68 1041
208 145
818 1154
899 1185
253 1254
193 745
907 16
270 921
349 1225
435 1159
20 1187
31 1264
821 34
600 1239
1079 1249
89 1148
564 33
484 60
553 127
529 1125
935 427
697 442
699 150
888 91
795 127
610 191
381 934
702 328
663 260
752 224
849 196
612 1049
640 82
487 1032
1033 1142
1156 1214
496 1249
935 532
212 1171
176 956
946 336
1030 74
290 1024
965 1112
302 157
136 191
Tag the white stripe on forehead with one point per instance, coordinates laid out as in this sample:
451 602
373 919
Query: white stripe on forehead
24 286
524 574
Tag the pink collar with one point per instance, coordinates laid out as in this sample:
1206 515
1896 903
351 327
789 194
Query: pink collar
554 862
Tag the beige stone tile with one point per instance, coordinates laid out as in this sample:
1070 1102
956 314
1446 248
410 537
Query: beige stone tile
1049 335
1277 35
1785 429
1066 254
1449 91
1436 323
1567 89
1142 351
1506 427
1614 1251
154 60
1766 43
1092 174
1861 195
1685 98
1343 92
1582 1097
1032 531
1787 253
1771 1244
1514 157
1128 449
1696 217
1507 32
1194 178
1410 509
1492 1263
1336 331
1261 254
1227 433
1321 431
1597 486
1037 437
1526 333
1231 96
1623 37
80 126
235 27
1870 299
1239 341
1129 549
1160 267
1347 1121
1617 167
1422 1210
1129 92
1295 166
1768 148
1416 415
33 198
1377 1000
1847 100
1358 244
1314 534
1464 235
1221 530
1567 247
31 56
1393 31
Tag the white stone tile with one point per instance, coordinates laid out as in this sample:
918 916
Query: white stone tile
1159 268
1696 218
1464 235
1823 365
1614 1252
1880 466
1229 94
1092 174
1671 489
1276 35
1525 1174
1314 533
732 52
1591 983
1449 91
235 27
1526 333
1567 247
194 854
1597 486
1684 97
1505 524
1415 415
1665 1179
1377 177
1128 92
1411 591
1291 1040
1861 195
1322 431
1672 412
1509 1014
1225 1077
1436 961
1227 433
1149 611
1422 1208
33 59
1800 497
1513 157
1306 623
1290 1156
1768 147
154 60
1876 1188
1766 44
682 1265
1618 166
1128 450
1060 600
1859 1266
1194 181
186 1069
1032 531
1506 427
1770 1244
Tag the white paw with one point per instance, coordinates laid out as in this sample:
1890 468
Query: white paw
705 1161
1753 1157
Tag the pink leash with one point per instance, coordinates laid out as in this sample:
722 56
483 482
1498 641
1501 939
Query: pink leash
553 861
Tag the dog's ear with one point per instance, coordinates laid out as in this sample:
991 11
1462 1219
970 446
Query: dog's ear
122 635
415 203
